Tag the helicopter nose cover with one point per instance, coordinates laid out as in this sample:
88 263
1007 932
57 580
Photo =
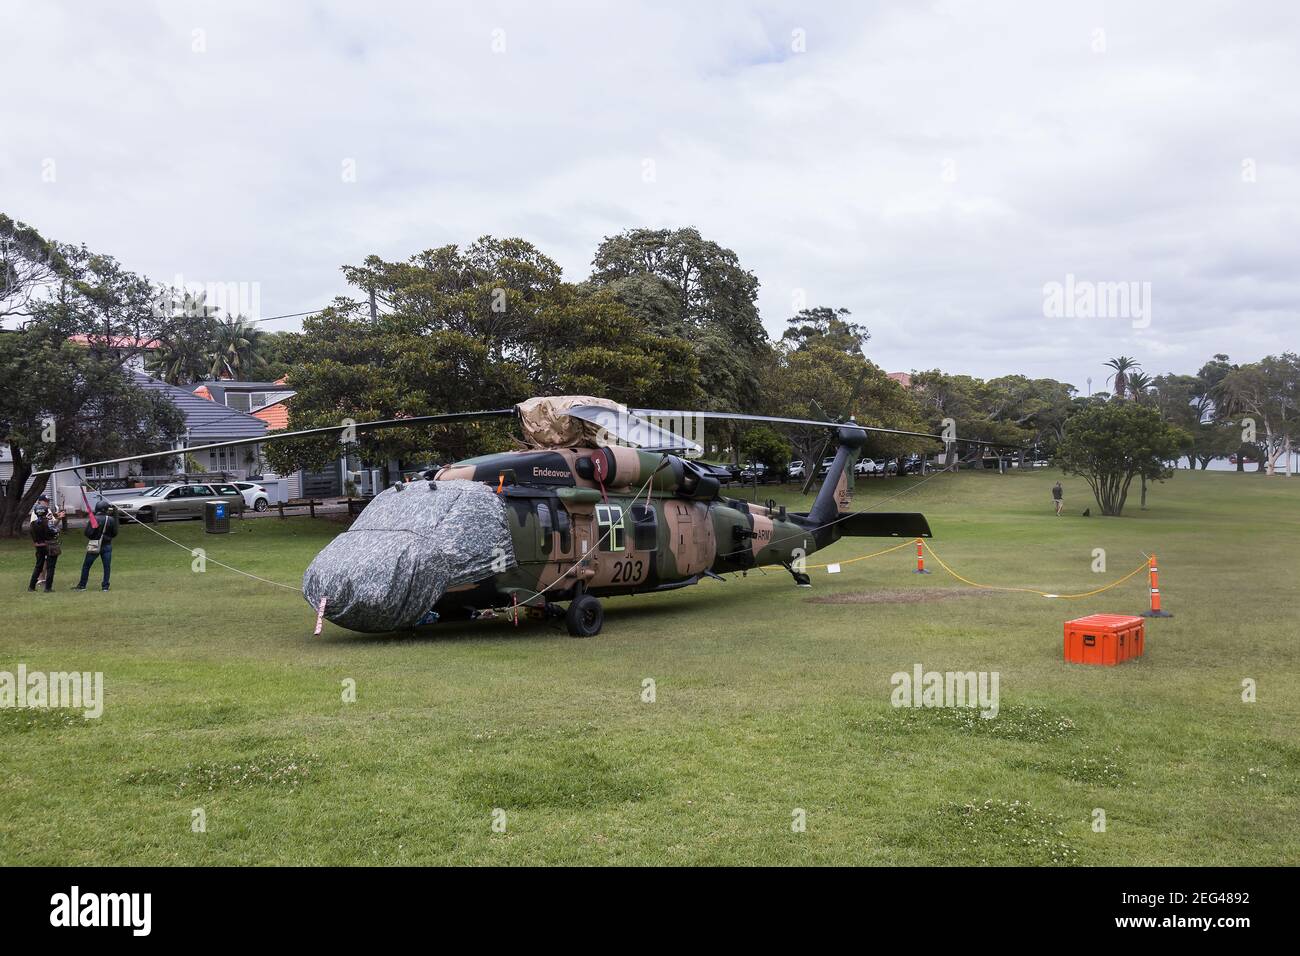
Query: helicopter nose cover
405 550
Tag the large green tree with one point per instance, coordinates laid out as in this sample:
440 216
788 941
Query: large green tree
677 283
1265 396
818 378
827 326
459 330
1110 444
72 400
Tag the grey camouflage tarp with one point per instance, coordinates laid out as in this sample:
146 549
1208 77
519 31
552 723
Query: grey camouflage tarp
405 550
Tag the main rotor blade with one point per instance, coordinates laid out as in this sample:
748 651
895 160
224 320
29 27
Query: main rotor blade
737 416
627 426
446 418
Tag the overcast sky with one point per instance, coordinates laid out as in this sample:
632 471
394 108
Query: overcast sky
931 167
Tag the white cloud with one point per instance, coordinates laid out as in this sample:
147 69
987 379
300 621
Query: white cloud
928 167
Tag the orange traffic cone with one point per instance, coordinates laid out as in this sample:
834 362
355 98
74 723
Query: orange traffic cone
1154 574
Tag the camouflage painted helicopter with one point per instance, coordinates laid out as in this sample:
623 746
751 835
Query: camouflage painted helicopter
602 502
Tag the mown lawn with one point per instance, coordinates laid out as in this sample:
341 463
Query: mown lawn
768 700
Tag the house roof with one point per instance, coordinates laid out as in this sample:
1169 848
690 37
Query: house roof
902 378
217 388
115 341
276 416
204 418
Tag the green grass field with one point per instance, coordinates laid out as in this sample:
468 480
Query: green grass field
768 700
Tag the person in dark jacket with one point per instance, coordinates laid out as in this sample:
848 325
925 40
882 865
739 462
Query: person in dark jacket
45 538
104 533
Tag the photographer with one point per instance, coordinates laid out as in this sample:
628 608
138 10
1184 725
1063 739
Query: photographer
45 538
101 534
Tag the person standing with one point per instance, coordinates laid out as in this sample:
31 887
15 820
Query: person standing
100 544
1058 496
45 538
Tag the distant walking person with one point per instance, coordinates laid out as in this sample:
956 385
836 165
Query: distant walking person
45 538
99 546
1058 496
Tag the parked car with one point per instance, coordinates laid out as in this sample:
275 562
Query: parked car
255 496
826 465
865 467
794 471
758 472
178 501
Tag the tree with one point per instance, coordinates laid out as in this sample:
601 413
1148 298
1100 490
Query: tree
714 304
843 385
1267 394
764 444
457 330
72 394
29 264
1122 365
1013 410
1139 385
74 400
827 326
1110 444
184 349
234 349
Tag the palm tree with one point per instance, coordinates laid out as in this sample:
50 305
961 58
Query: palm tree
183 352
1123 366
235 349
1139 385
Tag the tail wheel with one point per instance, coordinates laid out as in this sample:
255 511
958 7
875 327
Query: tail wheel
585 616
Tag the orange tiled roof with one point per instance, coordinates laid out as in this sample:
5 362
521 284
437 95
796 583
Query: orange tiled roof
276 416
202 392
115 341
902 378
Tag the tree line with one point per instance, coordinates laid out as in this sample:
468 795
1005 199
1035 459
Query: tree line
666 318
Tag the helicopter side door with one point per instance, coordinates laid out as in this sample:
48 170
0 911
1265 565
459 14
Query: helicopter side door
626 533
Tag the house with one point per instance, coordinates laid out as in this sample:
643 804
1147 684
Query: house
902 378
205 423
245 396
134 351
268 402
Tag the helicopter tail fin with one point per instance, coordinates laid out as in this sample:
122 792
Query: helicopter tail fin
836 492
874 524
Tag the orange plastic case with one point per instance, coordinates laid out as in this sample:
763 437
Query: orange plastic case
1105 639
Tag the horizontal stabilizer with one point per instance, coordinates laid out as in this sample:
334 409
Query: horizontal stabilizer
872 524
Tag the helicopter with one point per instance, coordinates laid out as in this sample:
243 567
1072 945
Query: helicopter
601 502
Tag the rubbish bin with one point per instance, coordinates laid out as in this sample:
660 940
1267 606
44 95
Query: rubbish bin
216 517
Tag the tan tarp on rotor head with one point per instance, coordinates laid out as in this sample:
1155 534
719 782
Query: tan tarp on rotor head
546 423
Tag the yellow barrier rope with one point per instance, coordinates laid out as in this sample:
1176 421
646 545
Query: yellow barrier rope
875 554
993 587
813 567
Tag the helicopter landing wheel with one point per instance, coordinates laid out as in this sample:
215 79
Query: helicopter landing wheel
801 580
585 616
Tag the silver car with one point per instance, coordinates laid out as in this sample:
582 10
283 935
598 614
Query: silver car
179 500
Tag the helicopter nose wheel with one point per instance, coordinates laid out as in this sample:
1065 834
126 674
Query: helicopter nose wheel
585 616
